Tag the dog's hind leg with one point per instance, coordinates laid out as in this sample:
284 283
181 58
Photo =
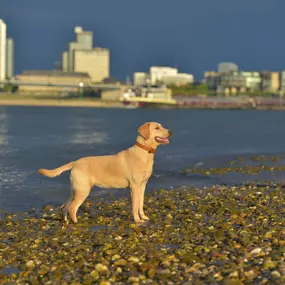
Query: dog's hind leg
64 209
79 198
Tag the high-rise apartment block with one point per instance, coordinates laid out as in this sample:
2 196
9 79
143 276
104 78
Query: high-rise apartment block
2 50
9 58
6 53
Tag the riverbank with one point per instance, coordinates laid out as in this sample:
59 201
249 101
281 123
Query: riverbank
218 235
57 102
184 102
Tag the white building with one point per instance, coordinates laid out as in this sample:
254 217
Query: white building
162 75
140 78
157 72
177 79
2 50
252 80
169 75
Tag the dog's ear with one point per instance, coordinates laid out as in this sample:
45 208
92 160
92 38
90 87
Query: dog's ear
144 130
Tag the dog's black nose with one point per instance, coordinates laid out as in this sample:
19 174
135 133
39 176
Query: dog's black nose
170 132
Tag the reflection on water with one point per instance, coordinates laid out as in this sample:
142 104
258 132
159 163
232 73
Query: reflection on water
3 131
81 133
35 137
89 137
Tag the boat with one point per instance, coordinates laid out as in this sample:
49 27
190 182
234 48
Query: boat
145 96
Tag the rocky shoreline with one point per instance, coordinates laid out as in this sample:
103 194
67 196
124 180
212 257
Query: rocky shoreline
218 235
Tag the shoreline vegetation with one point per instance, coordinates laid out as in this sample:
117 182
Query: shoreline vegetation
228 235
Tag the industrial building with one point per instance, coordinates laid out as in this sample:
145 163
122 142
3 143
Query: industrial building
95 62
82 57
50 78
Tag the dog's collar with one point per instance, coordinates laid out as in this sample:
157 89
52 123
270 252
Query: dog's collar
148 149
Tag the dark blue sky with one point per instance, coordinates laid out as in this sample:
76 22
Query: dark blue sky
193 35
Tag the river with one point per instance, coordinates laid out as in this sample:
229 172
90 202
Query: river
47 137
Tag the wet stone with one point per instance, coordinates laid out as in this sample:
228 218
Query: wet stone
211 235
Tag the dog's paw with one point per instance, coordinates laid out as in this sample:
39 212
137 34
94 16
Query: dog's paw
145 218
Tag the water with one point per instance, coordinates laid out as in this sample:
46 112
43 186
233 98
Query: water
43 137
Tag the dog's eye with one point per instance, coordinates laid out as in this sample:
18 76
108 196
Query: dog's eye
157 128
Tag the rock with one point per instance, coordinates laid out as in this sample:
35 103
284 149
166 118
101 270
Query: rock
190 258
48 208
105 282
151 272
234 274
133 259
249 273
101 268
268 263
164 274
120 262
275 274
256 250
95 274
116 256
133 279
166 264
268 235
30 264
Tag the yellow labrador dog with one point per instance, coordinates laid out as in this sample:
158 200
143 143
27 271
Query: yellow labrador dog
129 168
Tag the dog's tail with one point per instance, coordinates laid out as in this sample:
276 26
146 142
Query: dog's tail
57 171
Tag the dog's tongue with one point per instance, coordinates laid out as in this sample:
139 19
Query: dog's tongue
162 140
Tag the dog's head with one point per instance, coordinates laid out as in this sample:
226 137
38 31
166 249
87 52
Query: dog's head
154 133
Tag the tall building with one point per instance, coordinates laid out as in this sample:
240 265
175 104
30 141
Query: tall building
64 61
226 67
270 81
82 57
85 39
95 62
9 58
2 50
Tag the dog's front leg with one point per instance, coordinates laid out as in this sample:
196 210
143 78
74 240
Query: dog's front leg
141 211
135 193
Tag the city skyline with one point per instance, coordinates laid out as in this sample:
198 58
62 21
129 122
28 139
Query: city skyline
192 36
